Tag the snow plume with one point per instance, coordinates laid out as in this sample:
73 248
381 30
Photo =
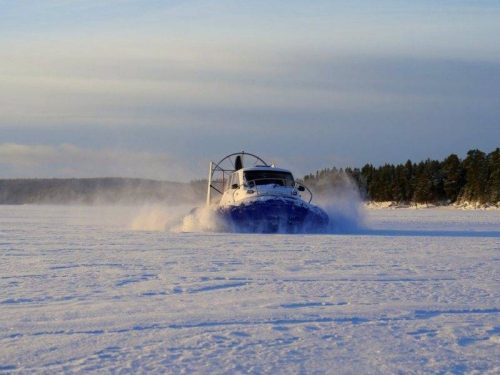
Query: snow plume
339 197
201 219
157 218
341 200
177 219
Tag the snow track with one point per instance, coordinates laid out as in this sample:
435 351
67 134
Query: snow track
417 293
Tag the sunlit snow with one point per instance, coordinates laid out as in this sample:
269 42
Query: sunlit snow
415 291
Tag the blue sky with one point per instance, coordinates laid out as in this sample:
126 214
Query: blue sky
157 88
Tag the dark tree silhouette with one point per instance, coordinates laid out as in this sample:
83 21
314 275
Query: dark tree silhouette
475 179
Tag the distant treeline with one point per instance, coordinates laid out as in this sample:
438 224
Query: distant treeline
474 179
96 191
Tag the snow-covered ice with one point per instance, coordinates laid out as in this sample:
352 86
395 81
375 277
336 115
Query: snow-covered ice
416 292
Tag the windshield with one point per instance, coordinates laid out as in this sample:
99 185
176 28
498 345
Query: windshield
267 177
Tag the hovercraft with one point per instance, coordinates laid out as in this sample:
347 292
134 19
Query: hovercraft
256 197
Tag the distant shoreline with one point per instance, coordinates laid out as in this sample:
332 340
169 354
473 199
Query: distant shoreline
92 191
136 191
423 206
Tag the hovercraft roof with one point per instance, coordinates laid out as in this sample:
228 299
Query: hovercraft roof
265 168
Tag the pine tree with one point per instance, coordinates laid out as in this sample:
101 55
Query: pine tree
494 176
453 175
436 177
409 180
476 176
399 185
367 176
423 183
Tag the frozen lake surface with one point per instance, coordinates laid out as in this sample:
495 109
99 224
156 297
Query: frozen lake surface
417 292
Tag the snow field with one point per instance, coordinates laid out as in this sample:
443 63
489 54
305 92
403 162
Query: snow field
416 292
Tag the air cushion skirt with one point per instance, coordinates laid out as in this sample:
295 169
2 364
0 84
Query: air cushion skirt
274 215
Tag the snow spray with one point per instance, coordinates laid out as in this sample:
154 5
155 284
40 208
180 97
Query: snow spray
177 219
158 218
343 204
341 201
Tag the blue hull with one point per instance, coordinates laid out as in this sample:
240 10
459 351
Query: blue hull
275 216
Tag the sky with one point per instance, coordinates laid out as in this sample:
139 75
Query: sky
157 89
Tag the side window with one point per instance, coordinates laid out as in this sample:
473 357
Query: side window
229 182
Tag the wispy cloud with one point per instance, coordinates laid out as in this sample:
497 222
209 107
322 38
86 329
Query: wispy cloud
199 78
177 86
